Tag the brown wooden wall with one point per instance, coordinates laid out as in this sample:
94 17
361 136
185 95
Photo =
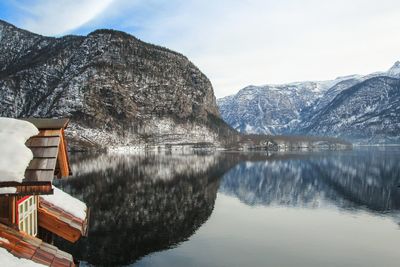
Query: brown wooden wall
7 209
4 208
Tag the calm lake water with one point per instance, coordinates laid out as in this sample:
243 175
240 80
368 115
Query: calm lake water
332 208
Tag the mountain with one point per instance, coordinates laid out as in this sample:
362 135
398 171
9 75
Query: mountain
395 70
272 109
368 111
325 108
116 89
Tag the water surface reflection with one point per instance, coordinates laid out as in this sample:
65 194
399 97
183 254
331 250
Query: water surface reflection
147 203
141 203
347 179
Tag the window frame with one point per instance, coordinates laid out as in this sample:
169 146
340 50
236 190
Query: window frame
27 215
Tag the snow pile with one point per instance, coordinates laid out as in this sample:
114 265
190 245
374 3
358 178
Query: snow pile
67 203
14 156
9 260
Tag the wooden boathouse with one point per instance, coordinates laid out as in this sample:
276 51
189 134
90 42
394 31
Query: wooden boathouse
33 210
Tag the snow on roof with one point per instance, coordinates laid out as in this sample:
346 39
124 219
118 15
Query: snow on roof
9 260
67 203
14 156
8 190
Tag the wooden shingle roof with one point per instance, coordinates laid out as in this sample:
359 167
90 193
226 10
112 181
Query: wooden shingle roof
50 158
28 247
45 147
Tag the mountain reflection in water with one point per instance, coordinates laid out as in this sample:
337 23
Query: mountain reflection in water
345 179
141 204
146 203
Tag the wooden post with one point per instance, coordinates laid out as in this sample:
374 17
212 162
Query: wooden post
63 156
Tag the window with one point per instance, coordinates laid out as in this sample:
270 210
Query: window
27 215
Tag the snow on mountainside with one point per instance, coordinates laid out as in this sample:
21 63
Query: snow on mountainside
306 108
395 70
272 109
117 90
368 112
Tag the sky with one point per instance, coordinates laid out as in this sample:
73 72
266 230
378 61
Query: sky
237 43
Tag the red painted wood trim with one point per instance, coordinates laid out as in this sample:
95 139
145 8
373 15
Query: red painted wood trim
22 199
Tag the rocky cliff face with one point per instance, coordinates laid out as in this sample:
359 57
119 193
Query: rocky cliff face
116 89
270 109
359 108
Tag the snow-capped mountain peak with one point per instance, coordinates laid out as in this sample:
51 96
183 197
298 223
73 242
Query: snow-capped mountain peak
395 69
362 108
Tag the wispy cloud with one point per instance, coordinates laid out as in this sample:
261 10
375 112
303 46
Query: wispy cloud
242 42
237 43
56 17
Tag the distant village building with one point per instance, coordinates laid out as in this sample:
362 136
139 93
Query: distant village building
31 208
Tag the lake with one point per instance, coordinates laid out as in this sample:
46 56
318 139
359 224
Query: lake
325 208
